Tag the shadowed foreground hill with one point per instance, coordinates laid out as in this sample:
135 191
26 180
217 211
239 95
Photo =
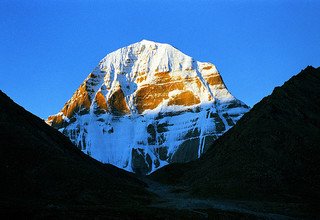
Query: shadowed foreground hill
272 153
42 173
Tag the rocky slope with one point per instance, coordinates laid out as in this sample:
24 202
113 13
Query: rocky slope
42 173
44 176
147 105
272 153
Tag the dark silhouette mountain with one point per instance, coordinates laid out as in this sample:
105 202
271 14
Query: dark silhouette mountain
271 154
42 172
43 175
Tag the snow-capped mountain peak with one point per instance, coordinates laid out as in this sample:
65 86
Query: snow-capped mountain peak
146 105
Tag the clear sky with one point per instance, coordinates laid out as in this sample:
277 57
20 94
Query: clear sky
47 48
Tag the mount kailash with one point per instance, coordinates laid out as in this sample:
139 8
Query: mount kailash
147 105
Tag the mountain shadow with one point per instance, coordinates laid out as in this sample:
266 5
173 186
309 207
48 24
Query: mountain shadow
271 154
44 175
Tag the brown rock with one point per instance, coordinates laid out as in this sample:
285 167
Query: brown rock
56 121
101 101
213 79
150 96
207 67
80 101
186 98
117 103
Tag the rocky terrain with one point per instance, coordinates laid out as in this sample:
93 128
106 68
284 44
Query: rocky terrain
147 105
43 175
270 155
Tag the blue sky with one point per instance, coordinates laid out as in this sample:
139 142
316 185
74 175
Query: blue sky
49 47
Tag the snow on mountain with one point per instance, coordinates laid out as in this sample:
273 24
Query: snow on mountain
147 105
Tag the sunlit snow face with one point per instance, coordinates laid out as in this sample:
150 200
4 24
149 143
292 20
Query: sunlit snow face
147 105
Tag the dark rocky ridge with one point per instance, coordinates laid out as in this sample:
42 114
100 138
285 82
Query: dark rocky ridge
44 176
43 173
272 153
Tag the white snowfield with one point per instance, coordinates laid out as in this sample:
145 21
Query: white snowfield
183 108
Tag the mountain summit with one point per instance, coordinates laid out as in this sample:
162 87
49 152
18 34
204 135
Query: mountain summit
147 105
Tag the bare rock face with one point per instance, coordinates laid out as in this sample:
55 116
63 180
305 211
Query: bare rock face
147 105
